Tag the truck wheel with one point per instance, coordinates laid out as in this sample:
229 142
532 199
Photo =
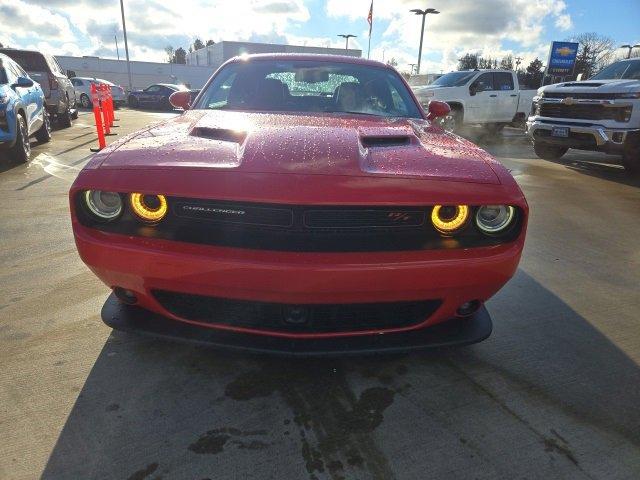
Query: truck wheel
549 152
133 102
21 150
43 135
452 122
64 119
84 101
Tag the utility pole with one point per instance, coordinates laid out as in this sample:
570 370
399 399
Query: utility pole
115 37
413 66
126 45
518 61
424 14
347 37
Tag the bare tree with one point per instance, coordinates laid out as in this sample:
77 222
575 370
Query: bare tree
594 52
170 54
210 42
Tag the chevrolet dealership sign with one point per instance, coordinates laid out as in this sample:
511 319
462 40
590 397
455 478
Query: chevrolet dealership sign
562 58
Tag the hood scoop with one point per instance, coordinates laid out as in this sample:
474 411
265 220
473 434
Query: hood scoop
582 84
385 141
220 134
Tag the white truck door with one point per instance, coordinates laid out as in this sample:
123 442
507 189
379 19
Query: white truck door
506 97
481 106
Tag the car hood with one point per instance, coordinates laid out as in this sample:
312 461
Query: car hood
594 86
354 145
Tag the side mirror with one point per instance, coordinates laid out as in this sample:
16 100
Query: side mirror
438 109
71 73
473 89
181 99
23 82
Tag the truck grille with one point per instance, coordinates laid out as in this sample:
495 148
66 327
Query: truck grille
584 111
277 317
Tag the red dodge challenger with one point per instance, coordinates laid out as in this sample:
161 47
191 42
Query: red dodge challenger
304 204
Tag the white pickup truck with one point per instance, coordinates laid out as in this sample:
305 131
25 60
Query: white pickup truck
491 98
602 113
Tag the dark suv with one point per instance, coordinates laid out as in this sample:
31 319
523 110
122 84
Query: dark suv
60 96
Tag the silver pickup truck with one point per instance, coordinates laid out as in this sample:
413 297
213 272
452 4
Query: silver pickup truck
601 114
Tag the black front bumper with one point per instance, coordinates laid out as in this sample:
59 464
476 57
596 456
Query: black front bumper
457 332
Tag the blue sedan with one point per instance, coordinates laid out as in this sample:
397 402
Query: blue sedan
22 112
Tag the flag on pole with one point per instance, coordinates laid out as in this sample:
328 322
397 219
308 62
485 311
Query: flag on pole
370 20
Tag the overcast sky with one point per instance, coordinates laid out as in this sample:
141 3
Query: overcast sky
492 27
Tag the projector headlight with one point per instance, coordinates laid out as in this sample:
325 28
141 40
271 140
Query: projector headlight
150 208
450 218
495 219
104 205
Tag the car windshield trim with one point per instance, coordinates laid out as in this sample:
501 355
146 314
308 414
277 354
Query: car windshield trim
622 70
309 87
454 79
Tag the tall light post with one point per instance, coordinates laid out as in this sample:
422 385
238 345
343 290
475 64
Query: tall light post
126 45
630 47
424 14
347 37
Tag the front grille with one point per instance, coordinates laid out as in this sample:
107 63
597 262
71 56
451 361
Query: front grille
322 318
341 218
582 111
582 96
298 228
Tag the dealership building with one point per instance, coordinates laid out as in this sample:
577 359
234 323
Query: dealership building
200 64
218 53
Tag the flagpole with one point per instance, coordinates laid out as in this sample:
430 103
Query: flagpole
370 19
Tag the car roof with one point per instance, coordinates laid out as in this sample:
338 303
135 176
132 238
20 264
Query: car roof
313 57
5 49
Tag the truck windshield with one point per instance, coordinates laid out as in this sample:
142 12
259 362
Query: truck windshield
309 86
628 70
454 79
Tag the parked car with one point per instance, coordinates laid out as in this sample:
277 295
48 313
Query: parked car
22 111
82 86
491 98
155 96
600 114
60 97
304 204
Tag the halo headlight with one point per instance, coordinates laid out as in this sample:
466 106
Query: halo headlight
495 219
450 218
150 208
104 205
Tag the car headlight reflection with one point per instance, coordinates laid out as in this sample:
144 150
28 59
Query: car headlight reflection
495 219
448 219
104 205
150 208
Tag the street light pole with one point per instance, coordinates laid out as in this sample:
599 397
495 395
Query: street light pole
126 45
630 48
347 37
424 14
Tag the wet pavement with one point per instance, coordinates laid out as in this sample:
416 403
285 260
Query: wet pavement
553 393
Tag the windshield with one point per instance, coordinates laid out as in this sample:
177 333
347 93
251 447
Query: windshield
309 86
629 70
454 79
30 61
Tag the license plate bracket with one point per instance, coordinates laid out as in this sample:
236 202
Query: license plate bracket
562 132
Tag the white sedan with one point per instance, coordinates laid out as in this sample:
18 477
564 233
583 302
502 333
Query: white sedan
82 86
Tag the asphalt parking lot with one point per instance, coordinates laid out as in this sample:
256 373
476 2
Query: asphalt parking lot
553 393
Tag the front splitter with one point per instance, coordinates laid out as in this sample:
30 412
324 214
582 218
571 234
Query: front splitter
456 332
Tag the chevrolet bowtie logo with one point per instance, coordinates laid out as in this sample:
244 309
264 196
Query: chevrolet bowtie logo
568 101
